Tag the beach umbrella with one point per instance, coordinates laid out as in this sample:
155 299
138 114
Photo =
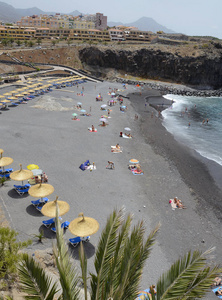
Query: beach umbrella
74 114
83 226
5 101
32 166
103 120
37 172
83 110
7 94
133 161
21 175
1 151
5 161
2 96
123 106
104 105
12 98
127 129
19 95
144 295
49 209
79 103
41 190
113 94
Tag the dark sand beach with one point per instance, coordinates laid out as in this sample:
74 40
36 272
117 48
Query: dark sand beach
42 132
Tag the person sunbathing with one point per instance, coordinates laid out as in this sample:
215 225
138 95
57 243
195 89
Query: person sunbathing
117 146
138 169
219 292
178 203
217 281
110 164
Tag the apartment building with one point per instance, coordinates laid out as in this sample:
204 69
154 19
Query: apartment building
98 21
17 33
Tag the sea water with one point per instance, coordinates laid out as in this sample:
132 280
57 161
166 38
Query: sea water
196 122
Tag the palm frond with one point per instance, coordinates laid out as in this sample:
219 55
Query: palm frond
187 277
35 282
135 254
105 253
69 278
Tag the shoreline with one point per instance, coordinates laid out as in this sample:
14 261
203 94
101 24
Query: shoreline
200 174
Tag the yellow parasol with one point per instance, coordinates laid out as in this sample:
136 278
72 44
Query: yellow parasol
49 209
32 167
1 151
41 190
5 101
21 175
83 226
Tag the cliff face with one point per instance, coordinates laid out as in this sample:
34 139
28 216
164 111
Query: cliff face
201 70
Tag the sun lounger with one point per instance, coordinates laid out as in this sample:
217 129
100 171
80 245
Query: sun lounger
22 189
75 241
40 201
64 225
48 223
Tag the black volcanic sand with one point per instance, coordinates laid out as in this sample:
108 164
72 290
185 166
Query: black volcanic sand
201 175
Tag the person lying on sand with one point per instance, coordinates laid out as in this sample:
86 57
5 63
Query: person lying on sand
178 203
219 292
217 281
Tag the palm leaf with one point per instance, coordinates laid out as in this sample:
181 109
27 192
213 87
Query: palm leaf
188 278
34 280
135 255
114 273
69 278
105 254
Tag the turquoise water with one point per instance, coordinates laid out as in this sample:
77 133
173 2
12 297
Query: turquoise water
205 138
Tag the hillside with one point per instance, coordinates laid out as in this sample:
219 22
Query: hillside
193 63
145 24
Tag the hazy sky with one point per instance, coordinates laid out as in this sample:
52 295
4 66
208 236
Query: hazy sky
192 17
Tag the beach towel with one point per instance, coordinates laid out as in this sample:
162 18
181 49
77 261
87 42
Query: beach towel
136 173
126 137
90 129
173 205
76 119
84 166
216 289
91 167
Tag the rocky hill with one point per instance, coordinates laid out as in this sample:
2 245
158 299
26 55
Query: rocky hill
195 63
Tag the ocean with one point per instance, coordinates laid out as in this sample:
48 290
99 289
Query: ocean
196 122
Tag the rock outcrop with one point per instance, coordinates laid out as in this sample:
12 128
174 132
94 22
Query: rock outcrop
201 69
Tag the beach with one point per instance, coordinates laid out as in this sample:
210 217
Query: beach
58 144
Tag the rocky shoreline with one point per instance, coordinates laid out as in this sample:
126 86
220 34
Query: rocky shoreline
172 88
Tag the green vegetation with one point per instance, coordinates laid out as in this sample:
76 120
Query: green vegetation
18 42
39 41
9 249
119 260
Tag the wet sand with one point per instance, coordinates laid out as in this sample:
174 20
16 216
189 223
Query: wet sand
59 145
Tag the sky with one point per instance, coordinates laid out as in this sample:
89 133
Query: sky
191 17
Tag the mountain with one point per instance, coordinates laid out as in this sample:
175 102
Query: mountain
29 11
75 13
145 24
8 13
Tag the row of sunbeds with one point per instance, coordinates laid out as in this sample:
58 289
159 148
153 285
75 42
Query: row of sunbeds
50 223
